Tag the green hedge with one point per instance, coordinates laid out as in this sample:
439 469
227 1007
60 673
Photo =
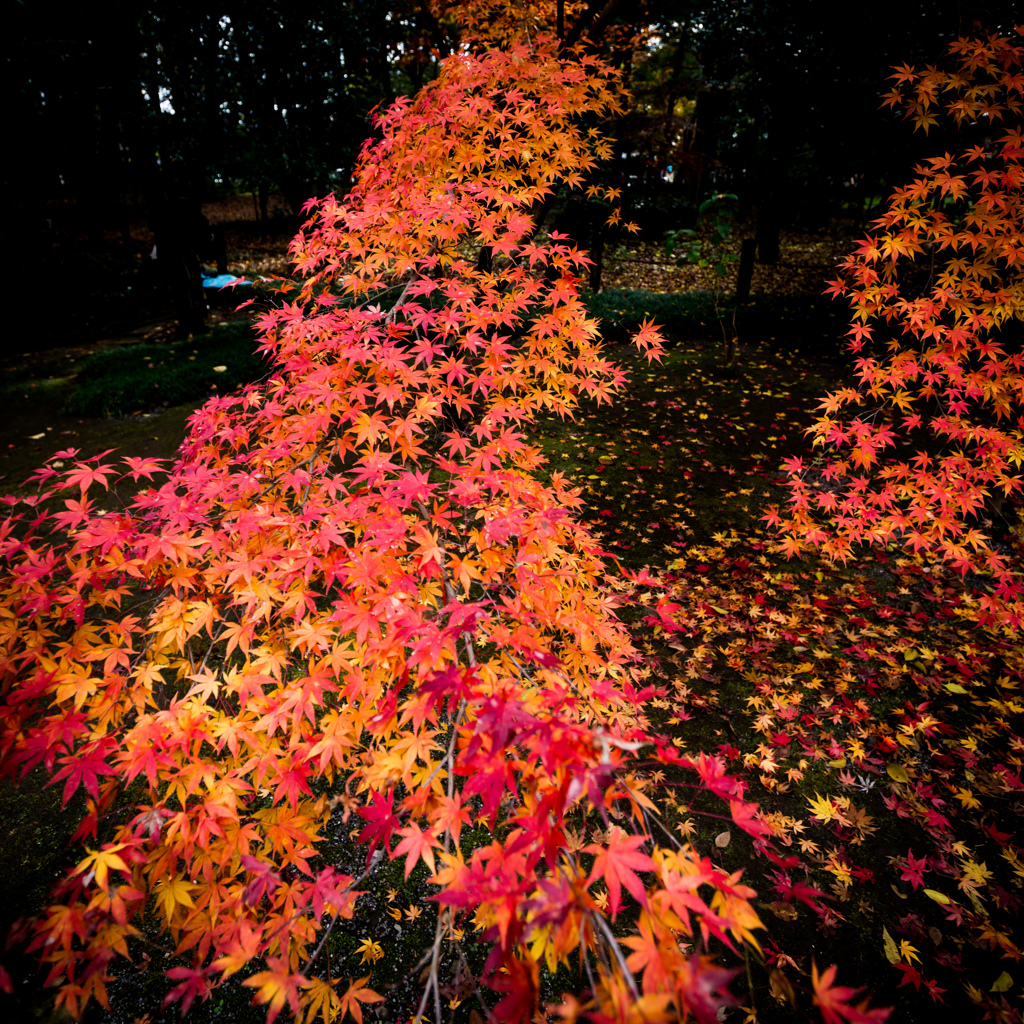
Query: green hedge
785 321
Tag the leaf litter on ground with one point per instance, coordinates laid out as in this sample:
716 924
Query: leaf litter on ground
878 726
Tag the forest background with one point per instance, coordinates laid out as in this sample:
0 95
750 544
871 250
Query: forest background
129 121
117 115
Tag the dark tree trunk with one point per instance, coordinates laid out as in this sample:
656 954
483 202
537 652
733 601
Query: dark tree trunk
181 231
745 274
768 225
597 255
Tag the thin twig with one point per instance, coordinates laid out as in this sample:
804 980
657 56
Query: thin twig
370 869
393 312
616 949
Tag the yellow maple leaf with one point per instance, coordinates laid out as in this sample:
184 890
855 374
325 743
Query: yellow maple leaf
322 1001
974 874
370 951
967 798
824 810
908 952
99 863
172 894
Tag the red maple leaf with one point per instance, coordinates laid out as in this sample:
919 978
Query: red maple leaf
617 863
417 844
382 821
834 1001
913 870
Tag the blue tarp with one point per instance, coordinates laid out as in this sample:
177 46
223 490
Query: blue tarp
222 279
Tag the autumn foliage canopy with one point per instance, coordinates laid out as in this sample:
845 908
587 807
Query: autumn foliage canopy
355 593
358 598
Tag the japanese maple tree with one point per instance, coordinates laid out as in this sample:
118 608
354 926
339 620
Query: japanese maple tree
927 446
356 592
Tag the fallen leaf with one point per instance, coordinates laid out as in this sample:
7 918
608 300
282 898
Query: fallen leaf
781 988
784 910
723 839
892 954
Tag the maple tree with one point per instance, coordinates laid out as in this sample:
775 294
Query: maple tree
929 443
353 593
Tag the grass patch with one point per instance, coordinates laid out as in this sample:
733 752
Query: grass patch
682 315
137 378
129 379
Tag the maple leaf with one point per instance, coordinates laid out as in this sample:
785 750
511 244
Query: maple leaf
451 815
172 893
416 845
908 952
369 950
143 467
520 983
321 1001
85 475
352 999
834 1001
240 952
276 987
825 810
649 955
82 770
744 814
618 862
192 983
913 870
649 341
100 862
263 882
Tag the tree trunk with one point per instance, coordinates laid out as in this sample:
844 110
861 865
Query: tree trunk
768 223
597 255
745 274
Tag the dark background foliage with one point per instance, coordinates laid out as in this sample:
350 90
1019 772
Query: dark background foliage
123 118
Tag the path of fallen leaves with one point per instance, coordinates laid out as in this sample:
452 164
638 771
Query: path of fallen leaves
805 261
877 724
